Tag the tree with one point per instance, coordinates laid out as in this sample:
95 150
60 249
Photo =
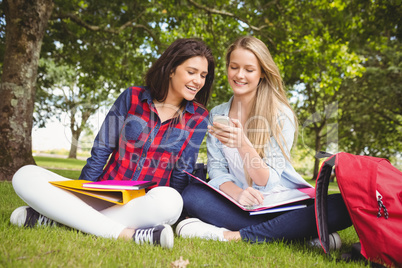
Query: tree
68 96
26 22
373 111
329 64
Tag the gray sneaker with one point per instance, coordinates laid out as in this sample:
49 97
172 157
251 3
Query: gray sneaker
159 235
28 217
335 241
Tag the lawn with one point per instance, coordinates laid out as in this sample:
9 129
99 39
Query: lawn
64 247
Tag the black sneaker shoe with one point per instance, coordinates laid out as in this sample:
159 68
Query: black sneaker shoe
159 235
28 217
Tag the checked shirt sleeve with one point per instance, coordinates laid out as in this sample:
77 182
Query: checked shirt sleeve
108 137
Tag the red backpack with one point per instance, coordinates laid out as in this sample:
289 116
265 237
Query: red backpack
372 190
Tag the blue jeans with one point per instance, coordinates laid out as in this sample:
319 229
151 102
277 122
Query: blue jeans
209 206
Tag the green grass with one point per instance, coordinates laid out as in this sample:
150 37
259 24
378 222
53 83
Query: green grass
69 168
64 247
59 163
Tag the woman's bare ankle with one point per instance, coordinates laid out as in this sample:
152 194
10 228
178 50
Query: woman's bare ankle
127 234
232 235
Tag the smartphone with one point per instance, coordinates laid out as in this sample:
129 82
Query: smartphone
222 119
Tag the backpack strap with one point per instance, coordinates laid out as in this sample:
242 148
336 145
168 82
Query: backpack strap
322 154
200 171
321 194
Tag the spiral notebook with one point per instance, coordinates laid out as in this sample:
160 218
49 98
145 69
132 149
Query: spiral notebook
273 202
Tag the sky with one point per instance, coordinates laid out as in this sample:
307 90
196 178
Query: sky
57 135
54 136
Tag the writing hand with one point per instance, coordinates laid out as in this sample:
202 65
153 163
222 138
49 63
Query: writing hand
251 197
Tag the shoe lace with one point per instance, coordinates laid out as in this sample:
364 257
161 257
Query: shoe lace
144 236
44 221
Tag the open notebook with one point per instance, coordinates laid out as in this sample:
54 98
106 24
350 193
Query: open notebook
273 202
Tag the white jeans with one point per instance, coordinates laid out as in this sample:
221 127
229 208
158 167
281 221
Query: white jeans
161 205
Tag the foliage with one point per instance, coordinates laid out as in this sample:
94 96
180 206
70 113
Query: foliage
68 94
317 61
372 112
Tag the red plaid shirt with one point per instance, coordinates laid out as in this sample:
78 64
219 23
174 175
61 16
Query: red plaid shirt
142 147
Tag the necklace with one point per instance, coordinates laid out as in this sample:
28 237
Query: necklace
166 111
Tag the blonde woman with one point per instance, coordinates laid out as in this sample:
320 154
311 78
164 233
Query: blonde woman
251 156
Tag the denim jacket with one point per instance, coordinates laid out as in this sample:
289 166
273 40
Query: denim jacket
282 173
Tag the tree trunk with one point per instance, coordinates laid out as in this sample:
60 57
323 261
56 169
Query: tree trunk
74 144
26 22
76 129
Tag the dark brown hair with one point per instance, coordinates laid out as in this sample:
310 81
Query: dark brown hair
157 77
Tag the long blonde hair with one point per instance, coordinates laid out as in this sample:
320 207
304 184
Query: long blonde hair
268 102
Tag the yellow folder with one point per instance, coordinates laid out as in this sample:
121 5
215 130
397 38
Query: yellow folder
116 196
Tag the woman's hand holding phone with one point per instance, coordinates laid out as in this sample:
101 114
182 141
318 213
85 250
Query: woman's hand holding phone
228 131
221 119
